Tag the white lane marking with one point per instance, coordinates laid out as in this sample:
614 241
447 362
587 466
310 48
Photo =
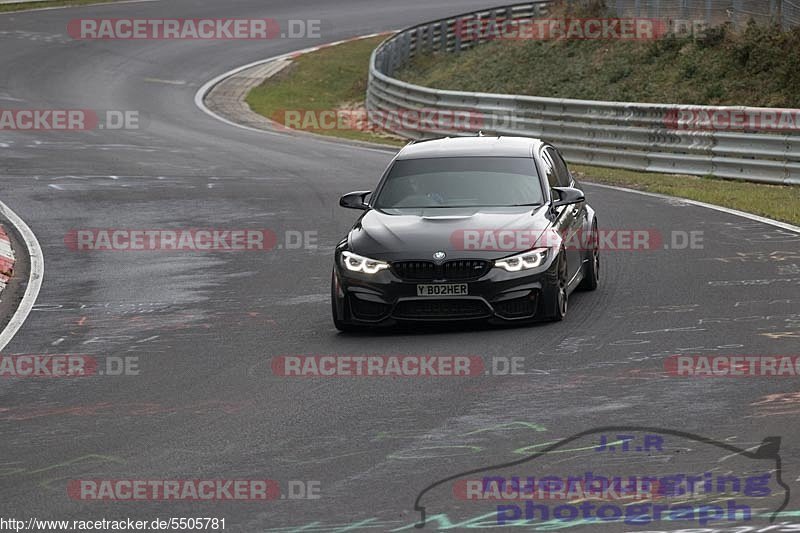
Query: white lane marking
34 279
167 82
206 88
757 218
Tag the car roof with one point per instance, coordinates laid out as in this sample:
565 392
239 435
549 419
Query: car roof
471 147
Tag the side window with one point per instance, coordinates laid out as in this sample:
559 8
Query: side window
562 174
549 168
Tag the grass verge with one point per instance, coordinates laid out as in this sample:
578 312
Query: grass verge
329 79
780 202
336 78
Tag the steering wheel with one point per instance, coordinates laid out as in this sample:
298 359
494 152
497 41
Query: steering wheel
436 197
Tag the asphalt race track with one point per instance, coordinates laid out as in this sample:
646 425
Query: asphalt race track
205 326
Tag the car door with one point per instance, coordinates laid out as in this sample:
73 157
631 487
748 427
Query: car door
570 216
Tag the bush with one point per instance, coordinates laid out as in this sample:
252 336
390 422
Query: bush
756 65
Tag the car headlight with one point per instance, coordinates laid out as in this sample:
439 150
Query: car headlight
358 263
515 263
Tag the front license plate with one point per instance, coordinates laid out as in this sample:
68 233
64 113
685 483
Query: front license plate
444 289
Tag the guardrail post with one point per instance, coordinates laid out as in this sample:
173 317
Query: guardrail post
495 17
776 14
429 38
395 54
457 40
781 20
708 12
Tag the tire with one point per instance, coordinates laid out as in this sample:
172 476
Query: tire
341 326
345 328
561 296
591 268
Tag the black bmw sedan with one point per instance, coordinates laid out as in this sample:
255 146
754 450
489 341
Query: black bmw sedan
469 228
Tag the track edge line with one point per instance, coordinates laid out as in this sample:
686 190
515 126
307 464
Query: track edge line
35 276
728 210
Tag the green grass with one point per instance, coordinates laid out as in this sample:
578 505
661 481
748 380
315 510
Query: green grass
757 66
329 79
5 8
781 202
336 76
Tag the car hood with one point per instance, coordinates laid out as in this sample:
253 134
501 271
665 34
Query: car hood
462 233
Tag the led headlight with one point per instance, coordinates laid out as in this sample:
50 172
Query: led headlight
358 263
515 263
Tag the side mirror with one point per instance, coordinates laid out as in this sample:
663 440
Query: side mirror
567 196
355 200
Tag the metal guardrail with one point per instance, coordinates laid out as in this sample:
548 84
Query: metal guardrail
737 12
626 135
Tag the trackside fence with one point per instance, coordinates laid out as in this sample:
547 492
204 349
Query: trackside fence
650 137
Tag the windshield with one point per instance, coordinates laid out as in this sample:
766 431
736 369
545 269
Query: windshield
461 182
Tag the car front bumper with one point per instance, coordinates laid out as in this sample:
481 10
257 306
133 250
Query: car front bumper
384 299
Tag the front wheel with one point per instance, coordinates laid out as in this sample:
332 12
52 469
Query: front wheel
344 327
591 268
561 297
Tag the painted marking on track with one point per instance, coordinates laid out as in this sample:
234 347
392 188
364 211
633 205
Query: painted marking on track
34 279
782 335
758 257
510 425
70 462
787 301
208 407
753 282
448 451
166 82
789 270
687 329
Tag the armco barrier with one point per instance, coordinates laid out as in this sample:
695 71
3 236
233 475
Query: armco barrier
609 134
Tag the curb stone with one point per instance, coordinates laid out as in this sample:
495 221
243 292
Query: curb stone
6 259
